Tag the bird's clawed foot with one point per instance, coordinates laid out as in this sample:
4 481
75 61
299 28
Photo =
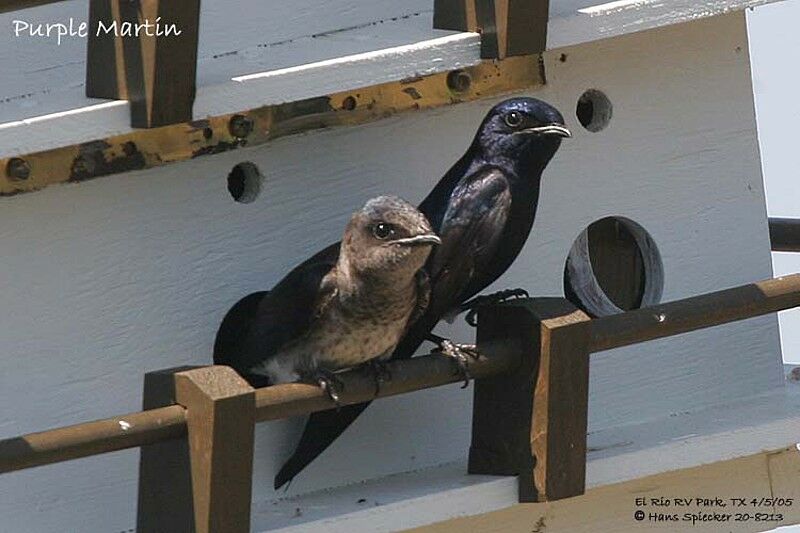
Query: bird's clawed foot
381 373
460 353
331 384
489 299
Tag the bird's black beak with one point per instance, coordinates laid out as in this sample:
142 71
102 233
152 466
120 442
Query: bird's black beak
428 239
551 129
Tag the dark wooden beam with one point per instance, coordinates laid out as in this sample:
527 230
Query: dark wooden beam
457 15
155 71
105 61
785 234
532 420
507 27
164 506
7 6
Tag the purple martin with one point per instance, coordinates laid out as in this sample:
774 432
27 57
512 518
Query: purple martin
333 313
483 210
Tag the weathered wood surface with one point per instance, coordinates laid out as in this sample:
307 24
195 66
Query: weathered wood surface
565 337
697 312
158 424
92 438
560 405
156 71
143 149
507 28
532 421
220 419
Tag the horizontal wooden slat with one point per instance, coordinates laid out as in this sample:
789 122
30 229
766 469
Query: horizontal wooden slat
92 438
15 5
695 313
153 147
785 234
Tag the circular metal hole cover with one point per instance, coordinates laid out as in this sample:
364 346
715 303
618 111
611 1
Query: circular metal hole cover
613 266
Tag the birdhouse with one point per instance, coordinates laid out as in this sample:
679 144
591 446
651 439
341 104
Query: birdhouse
150 181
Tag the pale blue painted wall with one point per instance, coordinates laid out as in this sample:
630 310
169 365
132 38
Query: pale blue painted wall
775 50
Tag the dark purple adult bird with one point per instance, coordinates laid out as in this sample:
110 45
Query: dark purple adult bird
483 211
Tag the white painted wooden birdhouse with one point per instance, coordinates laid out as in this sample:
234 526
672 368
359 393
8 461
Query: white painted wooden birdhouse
657 197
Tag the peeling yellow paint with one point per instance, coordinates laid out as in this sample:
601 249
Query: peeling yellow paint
146 148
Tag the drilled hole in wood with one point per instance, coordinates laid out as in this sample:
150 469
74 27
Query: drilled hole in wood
244 182
349 103
613 266
594 110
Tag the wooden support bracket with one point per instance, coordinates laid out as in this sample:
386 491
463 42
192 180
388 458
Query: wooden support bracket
531 422
210 478
155 71
507 27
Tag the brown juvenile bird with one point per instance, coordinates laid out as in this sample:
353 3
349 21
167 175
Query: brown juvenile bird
325 316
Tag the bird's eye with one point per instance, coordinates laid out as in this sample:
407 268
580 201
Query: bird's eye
382 230
514 119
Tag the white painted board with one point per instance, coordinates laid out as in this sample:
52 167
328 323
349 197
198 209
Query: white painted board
106 280
239 37
774 39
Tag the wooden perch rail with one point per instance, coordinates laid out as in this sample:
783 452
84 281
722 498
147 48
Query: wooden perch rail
533 370
272 403
695 313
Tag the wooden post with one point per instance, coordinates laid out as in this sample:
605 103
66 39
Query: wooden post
165 483
532 421
507 27
155 71
207 484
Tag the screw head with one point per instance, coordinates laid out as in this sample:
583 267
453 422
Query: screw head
84 164
18 169
240 126
349 103
459 81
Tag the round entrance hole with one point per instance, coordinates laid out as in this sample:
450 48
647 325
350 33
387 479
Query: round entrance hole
613 266
594 110
244 182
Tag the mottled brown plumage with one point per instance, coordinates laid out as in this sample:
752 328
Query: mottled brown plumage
325 317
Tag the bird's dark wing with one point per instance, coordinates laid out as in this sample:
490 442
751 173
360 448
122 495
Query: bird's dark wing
470 232
261 323
231 334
